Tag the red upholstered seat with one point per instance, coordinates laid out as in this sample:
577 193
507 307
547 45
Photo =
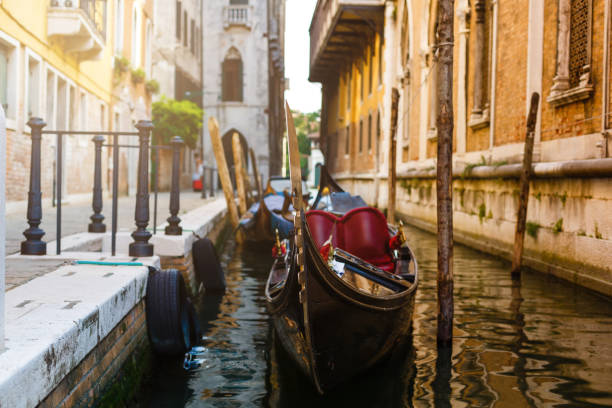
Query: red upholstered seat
362 232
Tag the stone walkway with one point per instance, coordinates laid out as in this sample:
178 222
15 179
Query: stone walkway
75 217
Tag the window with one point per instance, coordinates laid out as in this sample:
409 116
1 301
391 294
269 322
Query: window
192 42
232 83
72 110
360 135
118 26
50 100
185 29
370 70
83 111
380 60
178 20
239 2
370 132
480 105
136 42
33 75
148 45
102 117
362 79
347 140
61 119
572 81
9 80
348 88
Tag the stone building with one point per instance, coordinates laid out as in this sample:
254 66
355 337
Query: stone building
502 53
244 77
177 66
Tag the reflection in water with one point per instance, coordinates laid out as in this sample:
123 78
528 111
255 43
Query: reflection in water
532 342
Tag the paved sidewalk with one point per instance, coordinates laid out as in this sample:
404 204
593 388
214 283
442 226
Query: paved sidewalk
75 217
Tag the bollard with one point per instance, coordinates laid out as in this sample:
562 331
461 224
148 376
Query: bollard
33 245
141 246
211 172
173 227
97 224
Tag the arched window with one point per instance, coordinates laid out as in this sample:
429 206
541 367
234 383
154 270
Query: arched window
232 82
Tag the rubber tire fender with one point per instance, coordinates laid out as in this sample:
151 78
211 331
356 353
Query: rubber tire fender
195 329
207 266
167 316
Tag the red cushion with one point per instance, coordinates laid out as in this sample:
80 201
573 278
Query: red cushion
362 232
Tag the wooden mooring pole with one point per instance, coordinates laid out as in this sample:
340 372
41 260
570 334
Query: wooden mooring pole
256 174
240 181
392 157
224 176
526 172
444 182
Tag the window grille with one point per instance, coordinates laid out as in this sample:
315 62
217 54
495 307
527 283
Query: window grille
360 136
370 133
579 40
347 140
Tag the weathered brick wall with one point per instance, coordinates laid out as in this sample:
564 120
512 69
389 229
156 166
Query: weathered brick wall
104 366
184 264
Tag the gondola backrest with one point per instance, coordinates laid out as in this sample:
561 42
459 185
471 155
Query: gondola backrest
362 232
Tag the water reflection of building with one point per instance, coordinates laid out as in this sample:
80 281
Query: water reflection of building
502 53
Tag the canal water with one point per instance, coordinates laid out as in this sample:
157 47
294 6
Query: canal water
540 343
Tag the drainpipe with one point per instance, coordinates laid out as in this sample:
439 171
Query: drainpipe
3 228
605 83
493 76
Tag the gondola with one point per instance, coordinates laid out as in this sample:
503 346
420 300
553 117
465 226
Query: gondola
272 212
341 291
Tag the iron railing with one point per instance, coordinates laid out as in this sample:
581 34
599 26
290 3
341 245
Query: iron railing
95 10
34 245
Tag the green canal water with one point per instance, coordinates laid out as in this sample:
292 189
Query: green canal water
540 343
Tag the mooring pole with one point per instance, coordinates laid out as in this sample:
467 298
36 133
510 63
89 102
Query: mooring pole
224 175
240 181
256 174
526 171
444 182
392 157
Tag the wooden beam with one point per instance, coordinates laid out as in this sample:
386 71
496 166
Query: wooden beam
240 182
256 174
224 176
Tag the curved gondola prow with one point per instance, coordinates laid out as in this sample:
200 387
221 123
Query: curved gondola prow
328 181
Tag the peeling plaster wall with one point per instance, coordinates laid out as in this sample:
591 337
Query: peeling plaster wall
250 116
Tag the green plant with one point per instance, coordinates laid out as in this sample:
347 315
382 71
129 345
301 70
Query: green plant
532 229
152 86
538 195
597 232
558 226
138 76
562 197
122 65
482 212
172 118
581 233
406 186
490 214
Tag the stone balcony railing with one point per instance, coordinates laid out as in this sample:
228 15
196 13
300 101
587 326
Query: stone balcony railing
330 14
237 16
80 24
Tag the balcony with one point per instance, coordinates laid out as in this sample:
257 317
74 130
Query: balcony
237 16
80 25
340 29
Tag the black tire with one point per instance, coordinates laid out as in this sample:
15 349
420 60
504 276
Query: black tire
195 329
207 266
167 316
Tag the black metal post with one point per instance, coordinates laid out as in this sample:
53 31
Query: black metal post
155 187
58 216
97 224
211 172
33 245
115 194
173 227
141 246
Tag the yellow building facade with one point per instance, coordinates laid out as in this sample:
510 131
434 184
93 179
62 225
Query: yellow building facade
57 62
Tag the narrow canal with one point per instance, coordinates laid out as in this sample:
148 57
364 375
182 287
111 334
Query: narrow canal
540 343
